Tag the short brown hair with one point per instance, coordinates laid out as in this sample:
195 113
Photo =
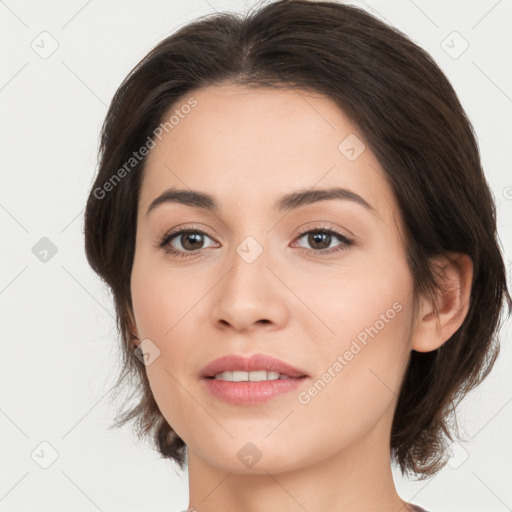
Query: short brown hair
411 118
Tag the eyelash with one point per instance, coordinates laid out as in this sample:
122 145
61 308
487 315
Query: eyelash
164 242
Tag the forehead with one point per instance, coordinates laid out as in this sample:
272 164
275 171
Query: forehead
249 146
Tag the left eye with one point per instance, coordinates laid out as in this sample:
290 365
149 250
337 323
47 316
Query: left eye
322 239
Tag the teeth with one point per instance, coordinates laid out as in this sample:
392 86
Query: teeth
237 376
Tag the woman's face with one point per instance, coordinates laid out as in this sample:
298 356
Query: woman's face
335 302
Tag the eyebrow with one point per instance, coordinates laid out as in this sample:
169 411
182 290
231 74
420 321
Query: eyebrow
286 203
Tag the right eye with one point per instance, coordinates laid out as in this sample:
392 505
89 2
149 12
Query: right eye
181 241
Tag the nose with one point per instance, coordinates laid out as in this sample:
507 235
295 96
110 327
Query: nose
249 295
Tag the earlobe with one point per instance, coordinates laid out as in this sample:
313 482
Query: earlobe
438 320
133 329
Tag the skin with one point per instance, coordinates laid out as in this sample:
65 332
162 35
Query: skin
248 147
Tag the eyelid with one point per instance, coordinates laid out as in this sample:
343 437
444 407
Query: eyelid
320 226
174 232
326 225
164 241
323 226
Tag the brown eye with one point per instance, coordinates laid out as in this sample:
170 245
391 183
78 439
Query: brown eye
184 242
319 240
191 241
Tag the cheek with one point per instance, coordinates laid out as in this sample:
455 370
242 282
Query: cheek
361 365
163 305
372 330
359 381
355 302
160 296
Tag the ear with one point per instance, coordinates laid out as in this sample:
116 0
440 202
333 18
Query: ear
135 337
433 328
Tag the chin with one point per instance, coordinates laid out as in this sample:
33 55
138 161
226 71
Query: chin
259 457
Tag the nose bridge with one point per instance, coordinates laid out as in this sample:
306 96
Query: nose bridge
248 275
249 292
250 249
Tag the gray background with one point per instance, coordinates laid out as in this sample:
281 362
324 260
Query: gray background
58 329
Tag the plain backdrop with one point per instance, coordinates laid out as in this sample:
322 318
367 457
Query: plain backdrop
61 63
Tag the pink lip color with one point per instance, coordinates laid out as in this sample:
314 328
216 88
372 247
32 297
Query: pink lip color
234 362
247 393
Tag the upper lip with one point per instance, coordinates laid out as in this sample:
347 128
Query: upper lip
234 362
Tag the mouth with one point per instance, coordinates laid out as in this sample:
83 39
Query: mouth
248 381
256 376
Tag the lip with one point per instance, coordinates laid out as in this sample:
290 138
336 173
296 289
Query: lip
234 362
250 393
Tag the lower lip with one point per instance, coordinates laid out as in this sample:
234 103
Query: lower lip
247 393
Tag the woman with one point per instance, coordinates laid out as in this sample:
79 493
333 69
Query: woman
292 216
